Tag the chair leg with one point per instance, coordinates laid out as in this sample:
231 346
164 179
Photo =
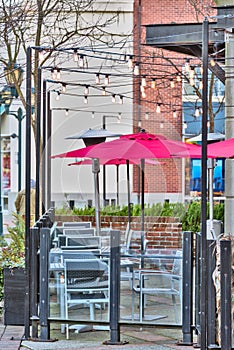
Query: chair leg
175 308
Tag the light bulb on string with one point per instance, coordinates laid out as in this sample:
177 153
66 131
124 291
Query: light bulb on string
143 81
58 77
158 108
120 100
106 80
197 112
130 62
187 65
93 115
212 62
75 55
146 115
119 118
103 91
66 112
172 83
136 70
97 78
174 114
86 100
178 78
113 98
64 87
185 125
153 83
58 96
86 90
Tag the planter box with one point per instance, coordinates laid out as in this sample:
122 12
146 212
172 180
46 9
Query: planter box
14 296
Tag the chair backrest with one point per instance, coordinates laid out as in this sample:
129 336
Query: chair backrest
178 263
79 231
84 272
84 224
83 242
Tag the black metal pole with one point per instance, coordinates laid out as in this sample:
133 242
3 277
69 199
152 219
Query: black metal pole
38 144
43 179
205 39
20 118
104 167
117 180
49 126
27 189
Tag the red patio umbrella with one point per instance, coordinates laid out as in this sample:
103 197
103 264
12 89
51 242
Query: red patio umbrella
221 149
137 146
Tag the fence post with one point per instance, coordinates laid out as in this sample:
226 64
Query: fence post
114 289
34 279
44 283
197 286
211 306
187 305
226 294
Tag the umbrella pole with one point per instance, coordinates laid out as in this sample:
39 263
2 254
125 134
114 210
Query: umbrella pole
96 170
142 194
129 204
117 180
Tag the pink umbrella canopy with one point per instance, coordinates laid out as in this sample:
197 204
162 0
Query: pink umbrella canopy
222 149
117 161
136 146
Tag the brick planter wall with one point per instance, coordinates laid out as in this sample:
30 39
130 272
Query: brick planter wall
161 232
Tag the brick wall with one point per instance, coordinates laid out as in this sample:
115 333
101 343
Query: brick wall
161 232
166 178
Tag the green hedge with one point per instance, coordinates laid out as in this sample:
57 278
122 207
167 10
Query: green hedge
189 213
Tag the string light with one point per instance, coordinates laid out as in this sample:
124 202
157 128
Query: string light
212 62
146 115
64 87
178 78
130 62
106 80
66 112
185 125
187 65
75 55
197 112
103 91
143 81
153 84
114 98
174 114
58 96
119 117
120 99
136 70
93 115
86 91
172 83
97 78
86 100
158 108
